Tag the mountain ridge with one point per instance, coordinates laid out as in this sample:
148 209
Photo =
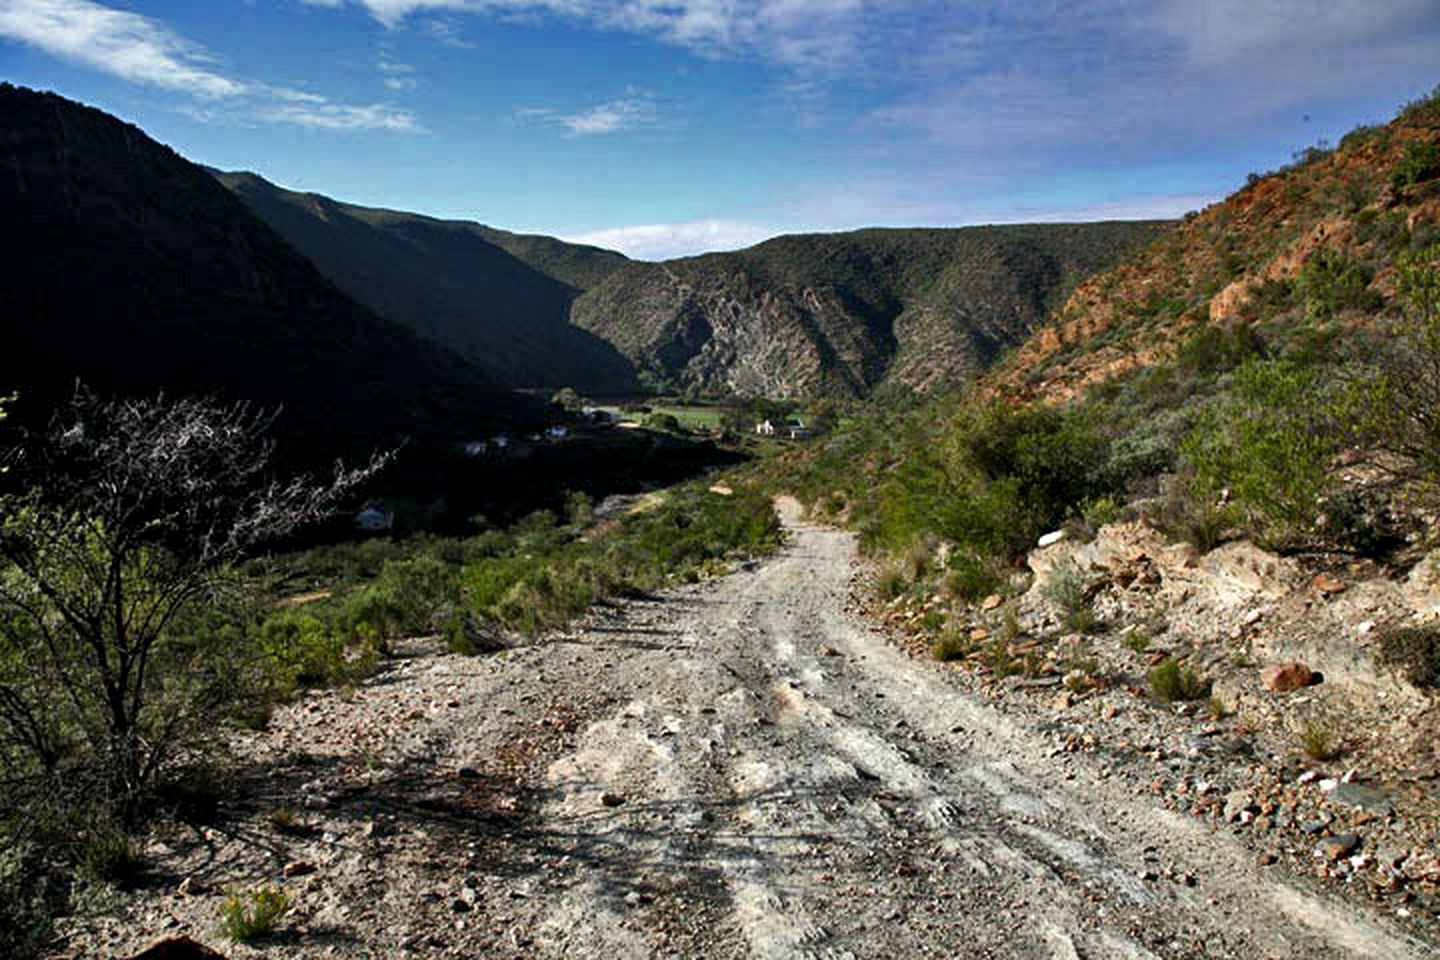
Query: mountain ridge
845 314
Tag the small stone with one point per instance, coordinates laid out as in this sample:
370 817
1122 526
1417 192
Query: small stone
1284 677
829 651
1326 585
633 899
1340 845
991 602
979 633
1309 776
609 799
178 948
1266 858
1051 538
297 868
1237 804
191 887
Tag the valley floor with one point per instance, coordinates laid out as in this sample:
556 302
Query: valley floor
741 768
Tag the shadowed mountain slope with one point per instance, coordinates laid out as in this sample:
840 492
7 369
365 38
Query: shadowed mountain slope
501 300
138 272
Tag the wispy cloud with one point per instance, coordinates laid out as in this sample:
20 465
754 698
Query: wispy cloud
663 241
610 117
396 75
136 48
144 50
615 116
995 76
794 32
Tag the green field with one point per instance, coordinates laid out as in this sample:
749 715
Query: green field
690 417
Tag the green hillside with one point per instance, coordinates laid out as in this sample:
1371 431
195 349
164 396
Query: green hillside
843 314
502 300
137 272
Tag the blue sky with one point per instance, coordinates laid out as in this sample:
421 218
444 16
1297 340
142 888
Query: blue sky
667 127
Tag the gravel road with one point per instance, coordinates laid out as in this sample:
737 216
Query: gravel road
738 769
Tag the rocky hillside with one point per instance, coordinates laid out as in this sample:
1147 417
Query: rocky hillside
1314 241
136 271
500 299
843 314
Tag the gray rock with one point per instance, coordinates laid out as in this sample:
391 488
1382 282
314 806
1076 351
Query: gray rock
1366 798
1237 803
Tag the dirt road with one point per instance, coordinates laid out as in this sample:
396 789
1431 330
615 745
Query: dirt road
741 770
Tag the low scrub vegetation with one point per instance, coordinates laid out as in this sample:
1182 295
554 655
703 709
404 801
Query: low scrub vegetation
1172 681
249 915
1416 652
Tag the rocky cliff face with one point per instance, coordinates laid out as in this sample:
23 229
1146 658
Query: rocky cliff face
843 314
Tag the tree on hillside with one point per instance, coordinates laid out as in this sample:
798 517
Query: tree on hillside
117 532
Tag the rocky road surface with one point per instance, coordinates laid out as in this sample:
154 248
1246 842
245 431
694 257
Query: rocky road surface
738 769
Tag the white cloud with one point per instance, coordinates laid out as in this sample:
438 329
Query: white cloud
396 75
337 116
143 50
791 32
615 116
610 117
664 241
136 48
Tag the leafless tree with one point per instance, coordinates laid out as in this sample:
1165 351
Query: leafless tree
121 523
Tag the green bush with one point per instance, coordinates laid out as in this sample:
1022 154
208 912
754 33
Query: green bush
1329 283
1317 739
30 898
106 852
300 649
1172 681
971 576
1415 651
951 645
1269 443
1419 162
248 915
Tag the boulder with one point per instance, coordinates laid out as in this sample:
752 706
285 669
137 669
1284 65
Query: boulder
1284 677
178 948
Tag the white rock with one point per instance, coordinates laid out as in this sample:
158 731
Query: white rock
1328 784
1054 537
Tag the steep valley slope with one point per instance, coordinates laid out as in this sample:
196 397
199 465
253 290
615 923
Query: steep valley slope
501 300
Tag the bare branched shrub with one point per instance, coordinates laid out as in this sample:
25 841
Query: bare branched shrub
117 532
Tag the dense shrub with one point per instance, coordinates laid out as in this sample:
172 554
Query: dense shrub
31 895
1415 651
1419 162
1268 443
1330 283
